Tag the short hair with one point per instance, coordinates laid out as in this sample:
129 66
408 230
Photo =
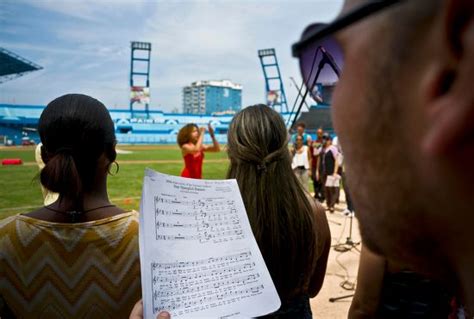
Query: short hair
302 124
184 134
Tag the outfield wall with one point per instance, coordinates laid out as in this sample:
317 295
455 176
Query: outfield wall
19 123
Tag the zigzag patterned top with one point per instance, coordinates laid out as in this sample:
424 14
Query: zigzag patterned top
59 270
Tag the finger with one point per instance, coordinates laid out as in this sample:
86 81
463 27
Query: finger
163 315
137 311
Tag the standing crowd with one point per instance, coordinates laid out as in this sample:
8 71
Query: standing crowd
320 160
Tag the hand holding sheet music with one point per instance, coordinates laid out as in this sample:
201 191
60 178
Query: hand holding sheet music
199 258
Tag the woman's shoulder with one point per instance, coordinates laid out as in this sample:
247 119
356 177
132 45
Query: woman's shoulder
33 221
321 220
333 149
24 232
316 206
8 224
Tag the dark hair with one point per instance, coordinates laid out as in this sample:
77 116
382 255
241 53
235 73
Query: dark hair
184 134
75 130
278 208
302 124
326 136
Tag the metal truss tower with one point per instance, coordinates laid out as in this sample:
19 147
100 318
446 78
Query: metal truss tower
140 75
276 97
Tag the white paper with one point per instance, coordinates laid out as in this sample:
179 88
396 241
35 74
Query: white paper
332 181
199 258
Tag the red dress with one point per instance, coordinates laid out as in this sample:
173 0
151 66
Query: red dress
193 165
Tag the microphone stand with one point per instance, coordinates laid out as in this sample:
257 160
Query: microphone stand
320 67
347 246
299 90
326 58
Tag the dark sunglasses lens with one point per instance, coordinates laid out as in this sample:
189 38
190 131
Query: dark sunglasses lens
320 64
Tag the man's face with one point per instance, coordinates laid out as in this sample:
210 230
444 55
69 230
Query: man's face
299 140
374 112
300 130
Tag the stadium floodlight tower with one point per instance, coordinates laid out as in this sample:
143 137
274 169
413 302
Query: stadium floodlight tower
13 66
275 92
140 75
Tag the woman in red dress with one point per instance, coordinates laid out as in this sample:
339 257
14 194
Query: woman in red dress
190 139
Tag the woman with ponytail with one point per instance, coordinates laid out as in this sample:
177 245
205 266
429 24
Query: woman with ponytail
289 225
77 257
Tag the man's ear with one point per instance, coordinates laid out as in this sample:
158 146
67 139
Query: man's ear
450 127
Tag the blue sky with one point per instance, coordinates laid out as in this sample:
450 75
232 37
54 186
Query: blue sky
84 46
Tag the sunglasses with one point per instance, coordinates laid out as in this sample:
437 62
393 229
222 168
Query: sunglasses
320 56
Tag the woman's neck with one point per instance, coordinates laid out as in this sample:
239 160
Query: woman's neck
89 201
61 210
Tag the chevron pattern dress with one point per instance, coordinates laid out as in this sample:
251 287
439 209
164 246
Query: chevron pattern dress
58 270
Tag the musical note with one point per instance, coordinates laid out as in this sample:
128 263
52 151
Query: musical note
184 285
206 221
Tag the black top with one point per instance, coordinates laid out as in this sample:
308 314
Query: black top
328 161
409 295
298 308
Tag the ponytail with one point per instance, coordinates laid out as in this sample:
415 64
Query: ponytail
60 175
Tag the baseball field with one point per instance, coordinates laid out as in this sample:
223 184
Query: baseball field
20 188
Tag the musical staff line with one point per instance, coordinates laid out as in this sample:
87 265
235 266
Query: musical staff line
183 287
203 221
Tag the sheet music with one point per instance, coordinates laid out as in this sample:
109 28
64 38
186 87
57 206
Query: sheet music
199 258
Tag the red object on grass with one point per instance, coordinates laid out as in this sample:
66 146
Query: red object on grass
12 161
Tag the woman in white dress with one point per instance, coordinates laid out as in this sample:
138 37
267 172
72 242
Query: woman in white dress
301 162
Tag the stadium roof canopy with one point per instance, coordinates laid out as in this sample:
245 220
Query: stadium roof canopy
13 65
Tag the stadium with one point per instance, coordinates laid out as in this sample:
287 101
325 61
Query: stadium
147 139
144 136
18 123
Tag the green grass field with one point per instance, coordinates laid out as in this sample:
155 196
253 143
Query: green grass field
20 191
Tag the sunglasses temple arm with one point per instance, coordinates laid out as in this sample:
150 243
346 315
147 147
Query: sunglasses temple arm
320 67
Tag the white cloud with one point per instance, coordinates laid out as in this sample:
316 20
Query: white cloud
88 10
191 40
